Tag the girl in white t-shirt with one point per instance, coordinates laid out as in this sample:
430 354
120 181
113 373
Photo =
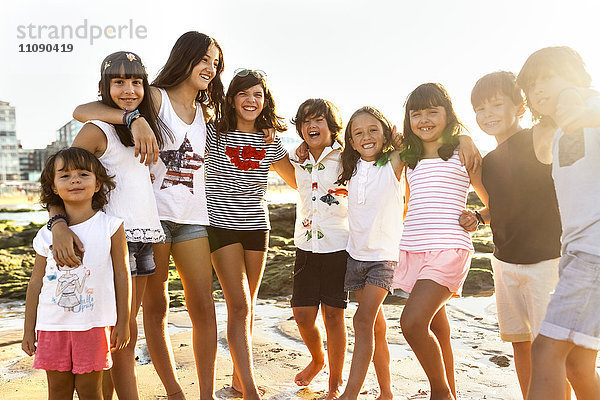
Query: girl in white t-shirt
187 93
75 317
435 251
124 84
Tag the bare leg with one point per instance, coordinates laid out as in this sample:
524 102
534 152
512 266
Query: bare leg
192 259
522 352
426 299
89 386
582 373
230 266
369 302
156 312
441 329
60 385
337 341
123 371
107 386
306 320
381 358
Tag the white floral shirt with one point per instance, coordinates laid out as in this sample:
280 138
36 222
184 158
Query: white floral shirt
322 210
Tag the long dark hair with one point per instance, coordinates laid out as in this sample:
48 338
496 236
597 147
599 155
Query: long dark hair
426 96
128 65
350 156
75 158
268 117
187 52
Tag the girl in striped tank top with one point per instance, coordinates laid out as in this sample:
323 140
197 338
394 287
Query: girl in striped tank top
435 251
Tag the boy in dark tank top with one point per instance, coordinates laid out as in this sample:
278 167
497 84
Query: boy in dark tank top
523 215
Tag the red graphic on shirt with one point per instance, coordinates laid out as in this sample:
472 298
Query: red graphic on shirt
245 158
181 164
339 192
315 186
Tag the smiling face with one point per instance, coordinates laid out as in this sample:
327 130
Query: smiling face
428 124
367 136
74 185
544 92
127 93
248 104
205 70
498 116
315 132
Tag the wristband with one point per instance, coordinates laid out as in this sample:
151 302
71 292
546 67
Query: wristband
480 219
125 115
53 220
129 117
136 116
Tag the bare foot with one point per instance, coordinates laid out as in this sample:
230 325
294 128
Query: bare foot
176 396
304 377
261 389
385 396
333 394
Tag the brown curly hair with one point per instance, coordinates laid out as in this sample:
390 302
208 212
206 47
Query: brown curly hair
75 158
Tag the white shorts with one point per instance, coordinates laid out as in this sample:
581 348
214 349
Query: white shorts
522 295
573 310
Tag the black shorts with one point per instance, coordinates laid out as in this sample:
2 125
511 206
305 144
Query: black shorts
319 278
250 240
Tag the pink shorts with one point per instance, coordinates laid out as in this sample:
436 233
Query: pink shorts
447 268
79 352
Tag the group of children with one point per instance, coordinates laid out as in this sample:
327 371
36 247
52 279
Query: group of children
353 231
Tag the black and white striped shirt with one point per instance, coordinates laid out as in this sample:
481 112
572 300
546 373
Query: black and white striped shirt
236 178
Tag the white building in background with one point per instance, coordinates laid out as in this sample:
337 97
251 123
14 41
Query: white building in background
66 133
9 146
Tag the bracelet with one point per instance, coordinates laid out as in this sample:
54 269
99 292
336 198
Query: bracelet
130 116
54 219
480 219
125 114
136 116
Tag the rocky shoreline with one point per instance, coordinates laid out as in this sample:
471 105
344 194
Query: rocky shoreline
17 257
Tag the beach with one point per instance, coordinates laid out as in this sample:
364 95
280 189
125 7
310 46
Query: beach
484 364
484 367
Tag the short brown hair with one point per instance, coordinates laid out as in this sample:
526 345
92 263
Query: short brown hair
500 82
316 108
75 158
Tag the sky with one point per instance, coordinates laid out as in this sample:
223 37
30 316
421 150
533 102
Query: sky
353 53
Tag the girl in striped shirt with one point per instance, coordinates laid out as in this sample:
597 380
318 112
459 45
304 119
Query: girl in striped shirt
238 163
435 251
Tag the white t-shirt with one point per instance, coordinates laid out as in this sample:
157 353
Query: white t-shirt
179 172
82 298
322 210
132 198
375 207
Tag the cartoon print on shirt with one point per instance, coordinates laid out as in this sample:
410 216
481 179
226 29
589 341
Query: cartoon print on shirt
306 223
309 235
245 158
181 164
329 199
69 288
309 167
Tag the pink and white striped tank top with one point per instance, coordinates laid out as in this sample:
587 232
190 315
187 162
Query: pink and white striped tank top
438 194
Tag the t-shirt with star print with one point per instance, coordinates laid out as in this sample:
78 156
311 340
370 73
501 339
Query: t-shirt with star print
179 173
236 178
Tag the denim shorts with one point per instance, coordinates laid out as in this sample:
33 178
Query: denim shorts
141 259
176 232
572 314
377 273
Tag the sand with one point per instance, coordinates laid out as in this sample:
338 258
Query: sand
484 364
